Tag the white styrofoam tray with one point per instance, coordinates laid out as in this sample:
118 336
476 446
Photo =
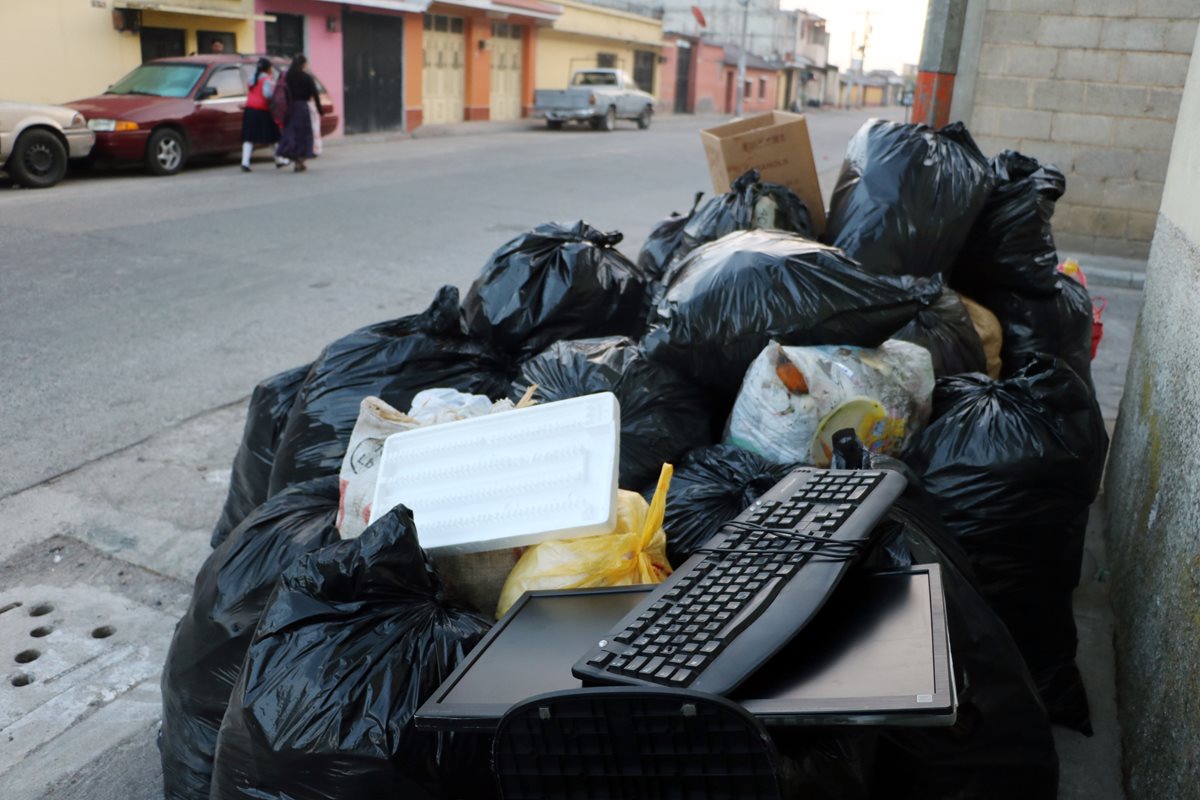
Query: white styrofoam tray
507 480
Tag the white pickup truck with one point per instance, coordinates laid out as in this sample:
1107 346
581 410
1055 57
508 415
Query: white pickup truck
598 97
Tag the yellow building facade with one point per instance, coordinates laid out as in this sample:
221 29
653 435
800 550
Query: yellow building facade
586 37
55 51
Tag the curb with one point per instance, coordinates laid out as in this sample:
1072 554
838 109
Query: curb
1119 278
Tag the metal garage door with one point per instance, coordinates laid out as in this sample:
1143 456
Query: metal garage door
445 70
505 99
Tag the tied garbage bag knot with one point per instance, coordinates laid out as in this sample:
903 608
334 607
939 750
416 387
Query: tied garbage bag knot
557 281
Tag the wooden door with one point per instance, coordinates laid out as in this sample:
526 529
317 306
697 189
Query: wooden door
444 78
505 98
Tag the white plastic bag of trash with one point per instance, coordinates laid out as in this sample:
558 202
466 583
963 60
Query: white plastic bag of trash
793 399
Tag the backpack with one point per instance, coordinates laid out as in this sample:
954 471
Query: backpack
280 101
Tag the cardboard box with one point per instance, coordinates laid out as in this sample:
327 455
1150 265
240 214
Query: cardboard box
777 145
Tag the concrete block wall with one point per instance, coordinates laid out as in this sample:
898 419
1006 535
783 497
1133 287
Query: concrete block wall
1153 496
1093 86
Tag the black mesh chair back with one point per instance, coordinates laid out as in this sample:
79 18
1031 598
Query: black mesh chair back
607 743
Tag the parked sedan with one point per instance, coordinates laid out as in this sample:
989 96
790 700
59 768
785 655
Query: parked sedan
37 140
168 110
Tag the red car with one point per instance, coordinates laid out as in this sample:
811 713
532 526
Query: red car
170 109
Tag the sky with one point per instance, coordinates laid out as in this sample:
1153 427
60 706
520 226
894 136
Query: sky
897 29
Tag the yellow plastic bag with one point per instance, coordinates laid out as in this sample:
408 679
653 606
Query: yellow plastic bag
634 552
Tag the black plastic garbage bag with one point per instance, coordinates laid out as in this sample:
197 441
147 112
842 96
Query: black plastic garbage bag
1012 244
1058 324
392 360
556 282
356 636
210 641
1013 466
270 404
728 299
711 486
1000 746
907 197
663 415
943 327
749 204
664 239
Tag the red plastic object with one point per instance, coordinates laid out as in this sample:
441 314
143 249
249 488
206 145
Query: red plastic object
1098 306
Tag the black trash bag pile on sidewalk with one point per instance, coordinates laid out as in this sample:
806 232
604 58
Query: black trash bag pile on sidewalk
907 197
727 300
210 641
355 638
1013 466
662 414
556 282
318 651
391 360
250 480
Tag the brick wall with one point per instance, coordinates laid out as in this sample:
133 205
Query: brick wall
1094 87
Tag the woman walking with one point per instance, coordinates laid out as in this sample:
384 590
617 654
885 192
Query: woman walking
297 141
258 126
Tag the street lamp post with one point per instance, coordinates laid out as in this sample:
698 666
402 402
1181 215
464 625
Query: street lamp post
741 73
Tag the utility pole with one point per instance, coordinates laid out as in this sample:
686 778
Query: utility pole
862 49
939 61
741 72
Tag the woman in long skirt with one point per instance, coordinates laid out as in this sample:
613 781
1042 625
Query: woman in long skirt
258 126
297 141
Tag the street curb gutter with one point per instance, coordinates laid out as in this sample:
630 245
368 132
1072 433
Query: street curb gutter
1120 278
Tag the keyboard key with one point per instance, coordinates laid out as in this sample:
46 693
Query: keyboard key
665 673
709 648
635 664
697 661
652 666
600 659
682 677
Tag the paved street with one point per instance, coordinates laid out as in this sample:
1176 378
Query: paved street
136 314
132 303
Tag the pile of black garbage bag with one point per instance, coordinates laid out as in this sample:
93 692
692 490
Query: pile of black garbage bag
299 665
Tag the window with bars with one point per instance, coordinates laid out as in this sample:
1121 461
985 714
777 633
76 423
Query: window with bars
285 36
443 23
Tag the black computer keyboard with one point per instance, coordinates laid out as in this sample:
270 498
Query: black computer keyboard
750 589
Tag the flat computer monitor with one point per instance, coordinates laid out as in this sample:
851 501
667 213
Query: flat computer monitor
877 654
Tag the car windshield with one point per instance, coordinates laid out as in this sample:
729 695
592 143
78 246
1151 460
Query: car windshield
594 79
159 80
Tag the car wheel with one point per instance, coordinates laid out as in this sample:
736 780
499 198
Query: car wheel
554 124
643 119
166 152
609 121
39 159
595 122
